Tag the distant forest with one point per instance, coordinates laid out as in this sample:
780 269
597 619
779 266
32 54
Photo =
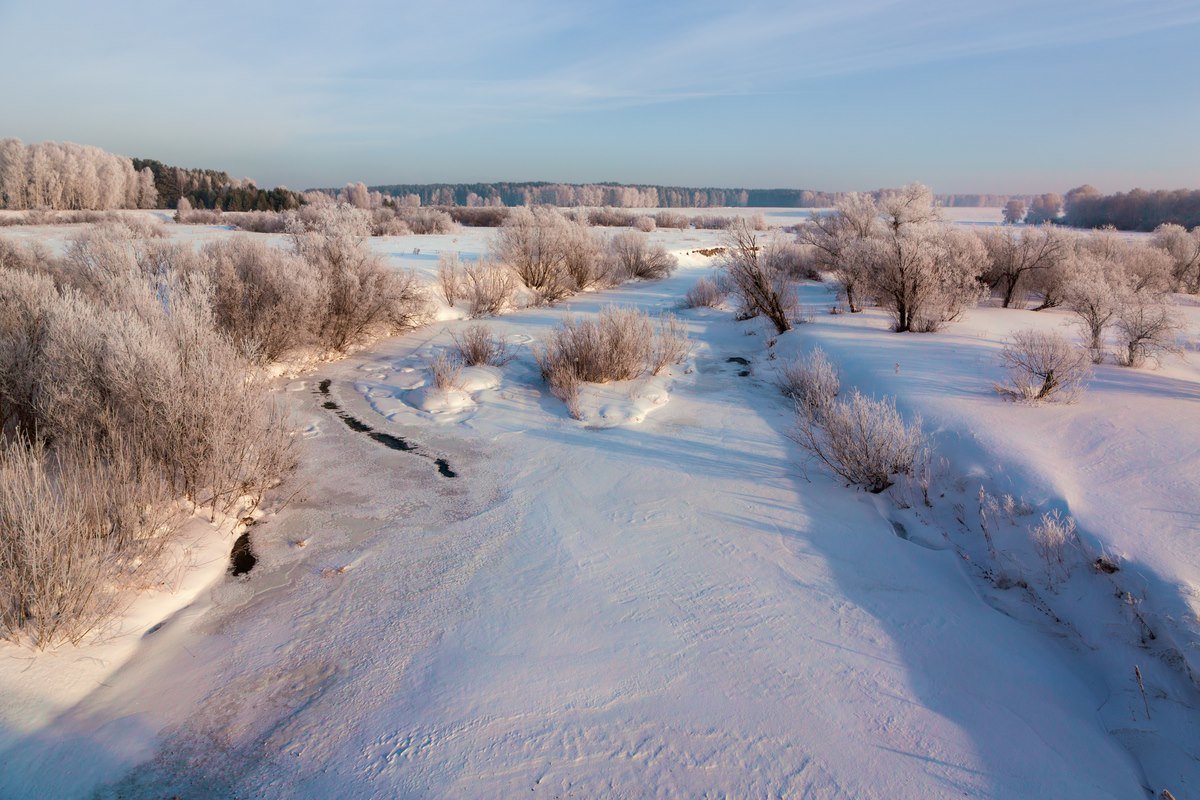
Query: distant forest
1138 210
519 193
67 176
210 188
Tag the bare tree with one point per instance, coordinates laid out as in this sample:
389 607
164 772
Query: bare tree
761 285
450 277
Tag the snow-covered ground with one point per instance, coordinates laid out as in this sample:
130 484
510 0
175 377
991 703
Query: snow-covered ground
664 599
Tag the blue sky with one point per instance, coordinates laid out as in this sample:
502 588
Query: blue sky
965 95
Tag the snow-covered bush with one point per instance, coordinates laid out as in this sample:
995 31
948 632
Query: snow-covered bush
644 223
488 287
705 294
1043 366
862 439
762 285
811 380
426 220
924 273
478 346
1133 264
1147 328
632 256
619 344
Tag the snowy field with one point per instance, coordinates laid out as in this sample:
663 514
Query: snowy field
663 599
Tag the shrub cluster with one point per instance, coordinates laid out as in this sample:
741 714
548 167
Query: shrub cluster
861 439
620 344
555 256
128 382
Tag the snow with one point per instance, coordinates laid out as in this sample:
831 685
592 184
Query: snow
663 598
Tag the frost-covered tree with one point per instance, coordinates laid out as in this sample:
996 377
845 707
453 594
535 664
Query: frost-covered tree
838 241
762 284
1014 211
1093 292
1045 208
923 272
1016 257
1183 247
1147 327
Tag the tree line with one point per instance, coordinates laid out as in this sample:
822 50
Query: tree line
616 195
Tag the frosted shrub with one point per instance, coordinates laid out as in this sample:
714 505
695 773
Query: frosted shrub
718 223
610 217
488 287
620 344
583 259
633 257
74 526
426 220
926 274
478 346
480 217
269 301
671 345
449 277
671 219
363 296
1051 537
790 258
445 369
863 440
762 286
811 380
705 294
1043 366
1147 329
24 304
841 244
534 243
644 224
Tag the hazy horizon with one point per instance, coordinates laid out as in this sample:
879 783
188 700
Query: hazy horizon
1029 98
